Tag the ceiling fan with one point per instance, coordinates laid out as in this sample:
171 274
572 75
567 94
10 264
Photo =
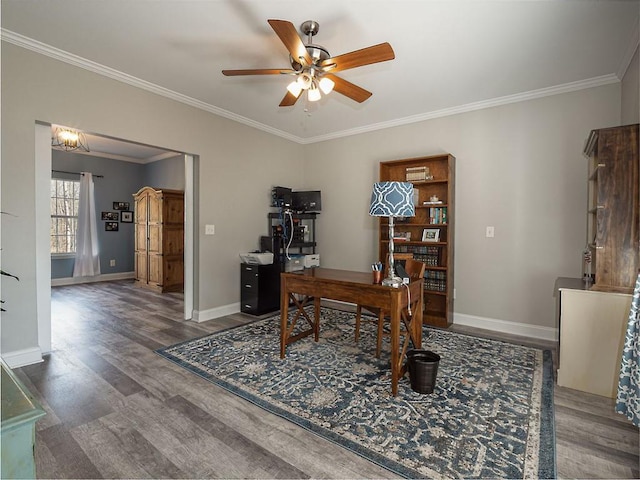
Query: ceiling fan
314 68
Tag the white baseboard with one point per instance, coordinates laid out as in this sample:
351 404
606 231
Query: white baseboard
504 326
20 358
106 277
493 324
217 312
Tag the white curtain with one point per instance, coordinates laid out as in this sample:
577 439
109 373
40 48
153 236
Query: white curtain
87 258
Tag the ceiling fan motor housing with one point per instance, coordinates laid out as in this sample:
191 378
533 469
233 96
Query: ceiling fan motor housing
317 52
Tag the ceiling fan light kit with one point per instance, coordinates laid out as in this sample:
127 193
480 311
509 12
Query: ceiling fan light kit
314 67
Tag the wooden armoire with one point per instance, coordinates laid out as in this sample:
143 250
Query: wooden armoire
159 243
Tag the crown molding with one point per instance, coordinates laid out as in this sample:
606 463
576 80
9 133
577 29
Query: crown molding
61 55
75 60
470 107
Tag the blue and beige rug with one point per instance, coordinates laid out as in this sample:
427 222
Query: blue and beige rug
490 415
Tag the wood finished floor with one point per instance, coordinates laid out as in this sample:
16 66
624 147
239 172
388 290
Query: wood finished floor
115 409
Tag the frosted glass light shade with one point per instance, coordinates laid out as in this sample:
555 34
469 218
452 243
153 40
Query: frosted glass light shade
314 94
294 88
326 85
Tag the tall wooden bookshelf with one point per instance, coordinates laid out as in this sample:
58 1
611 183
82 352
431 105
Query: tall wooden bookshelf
613 221
432 176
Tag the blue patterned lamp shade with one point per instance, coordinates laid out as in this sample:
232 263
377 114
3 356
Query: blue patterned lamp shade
392 199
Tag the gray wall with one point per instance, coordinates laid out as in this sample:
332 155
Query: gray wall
121 180
630 97
168 173
519 168
225 150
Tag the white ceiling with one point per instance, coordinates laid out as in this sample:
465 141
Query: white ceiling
117 149
451 56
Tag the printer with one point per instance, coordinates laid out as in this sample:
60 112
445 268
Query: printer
257 258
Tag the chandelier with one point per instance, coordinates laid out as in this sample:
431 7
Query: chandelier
69 140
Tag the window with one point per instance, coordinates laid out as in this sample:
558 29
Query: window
64 215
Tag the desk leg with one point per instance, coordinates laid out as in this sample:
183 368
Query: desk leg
284 315
418 319
395 346
316 325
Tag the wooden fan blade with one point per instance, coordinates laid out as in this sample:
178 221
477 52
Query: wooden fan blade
289 36
348 89
358 58
289 99
258 71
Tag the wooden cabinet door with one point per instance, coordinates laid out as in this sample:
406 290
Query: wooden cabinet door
154 246
142 268
141 202
140 248
155 269
155 208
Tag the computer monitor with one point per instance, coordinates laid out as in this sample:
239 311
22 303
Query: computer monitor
308 201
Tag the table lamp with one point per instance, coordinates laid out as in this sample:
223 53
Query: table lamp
392 199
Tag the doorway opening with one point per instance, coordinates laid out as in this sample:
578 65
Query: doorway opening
123 164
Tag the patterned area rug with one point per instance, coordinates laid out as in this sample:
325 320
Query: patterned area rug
490 415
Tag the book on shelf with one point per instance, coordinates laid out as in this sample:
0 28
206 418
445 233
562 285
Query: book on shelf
438 215
402 237
435 280
429 255
432 203
416 174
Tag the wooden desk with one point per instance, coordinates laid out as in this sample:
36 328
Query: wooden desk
352 287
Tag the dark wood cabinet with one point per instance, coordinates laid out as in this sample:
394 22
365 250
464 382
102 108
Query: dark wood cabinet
259 288
159 239
613 222
432 177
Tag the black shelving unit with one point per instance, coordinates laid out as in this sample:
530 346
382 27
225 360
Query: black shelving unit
306 245
260 284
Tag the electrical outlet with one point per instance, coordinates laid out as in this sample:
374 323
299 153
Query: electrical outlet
112 263
454 293
490 232
209 229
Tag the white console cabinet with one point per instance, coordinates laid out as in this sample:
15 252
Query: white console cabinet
592 329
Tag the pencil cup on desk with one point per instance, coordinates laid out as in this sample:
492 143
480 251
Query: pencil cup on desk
377 276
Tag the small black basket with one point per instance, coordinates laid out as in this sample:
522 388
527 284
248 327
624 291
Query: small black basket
423 370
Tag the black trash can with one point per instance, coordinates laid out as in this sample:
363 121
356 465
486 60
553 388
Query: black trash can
423 369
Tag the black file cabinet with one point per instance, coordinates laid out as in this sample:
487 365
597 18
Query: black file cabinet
259 288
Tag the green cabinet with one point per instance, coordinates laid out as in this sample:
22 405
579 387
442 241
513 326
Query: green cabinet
20 411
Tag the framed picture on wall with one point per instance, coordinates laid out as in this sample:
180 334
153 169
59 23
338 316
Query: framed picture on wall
126 217
113 216
121 205
111 226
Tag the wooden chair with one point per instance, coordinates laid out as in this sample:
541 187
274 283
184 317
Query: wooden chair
415 270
